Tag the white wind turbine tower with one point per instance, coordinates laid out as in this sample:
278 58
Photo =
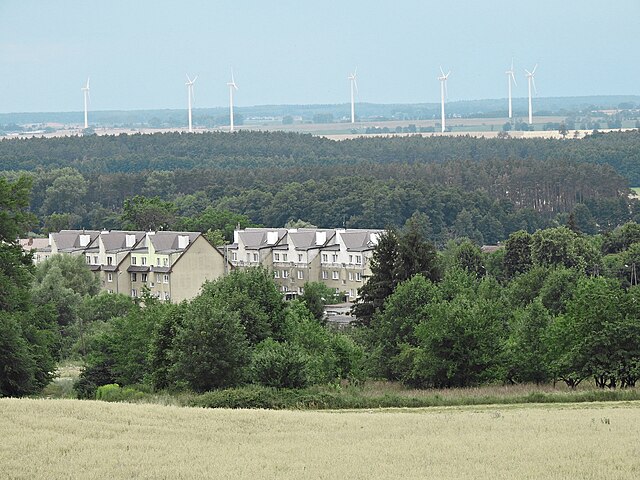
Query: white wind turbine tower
232 85
511 78
191 97
531 81
443 92
85 91
352 79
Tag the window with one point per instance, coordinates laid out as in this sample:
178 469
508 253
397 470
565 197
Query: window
144 277
325 274
158 277
276 274
350 293
334 258
165 278
144 260
337 291
276 257
285 288
335 275
300 257
300 275
134 277
109 291
350 275
165 262
284 257
95 259
325 258
134 293
88 259
285 273
109 277
301 290
255 257
134 260
358 259
358 277
234 256
166 295
158 261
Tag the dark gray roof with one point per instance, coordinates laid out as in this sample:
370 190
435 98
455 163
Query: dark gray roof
116 240
168 241
137 268
69 240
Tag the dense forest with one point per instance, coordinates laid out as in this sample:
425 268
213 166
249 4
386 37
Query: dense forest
483 189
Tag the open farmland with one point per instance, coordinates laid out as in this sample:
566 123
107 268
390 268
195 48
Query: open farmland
85 439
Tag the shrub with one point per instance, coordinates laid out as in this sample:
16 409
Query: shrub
280 365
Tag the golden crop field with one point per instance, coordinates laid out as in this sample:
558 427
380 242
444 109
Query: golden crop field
54 439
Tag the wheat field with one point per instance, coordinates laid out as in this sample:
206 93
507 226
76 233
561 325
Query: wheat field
59 439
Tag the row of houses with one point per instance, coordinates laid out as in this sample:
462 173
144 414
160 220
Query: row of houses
174 265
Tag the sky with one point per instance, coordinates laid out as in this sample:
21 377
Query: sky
137 52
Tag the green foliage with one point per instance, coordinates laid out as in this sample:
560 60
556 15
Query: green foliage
382 281
459 345
395 327
27 333
114 393
142 213
210 350
255 297
518 253
280 365
526 350
316 296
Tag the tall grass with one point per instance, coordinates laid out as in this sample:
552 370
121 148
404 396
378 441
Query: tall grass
72 439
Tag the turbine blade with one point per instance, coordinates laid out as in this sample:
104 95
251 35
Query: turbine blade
533 81
528 72
88 78
188 79
513 77
534 69
442 71
194 79
512 64
355 84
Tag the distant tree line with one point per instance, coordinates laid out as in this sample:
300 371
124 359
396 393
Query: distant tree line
478 188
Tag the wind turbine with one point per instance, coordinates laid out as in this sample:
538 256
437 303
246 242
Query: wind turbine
352 79
511 77
443 91
85 91
191 97
232 85
531 81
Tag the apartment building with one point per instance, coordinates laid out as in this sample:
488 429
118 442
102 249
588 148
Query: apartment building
171 265
339 258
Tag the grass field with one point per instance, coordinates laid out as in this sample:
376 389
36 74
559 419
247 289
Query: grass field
85 439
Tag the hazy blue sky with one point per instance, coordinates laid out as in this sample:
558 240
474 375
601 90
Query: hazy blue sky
299 52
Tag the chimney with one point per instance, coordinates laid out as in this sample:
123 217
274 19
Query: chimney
84 239
130 240
272 238
183 241
321 238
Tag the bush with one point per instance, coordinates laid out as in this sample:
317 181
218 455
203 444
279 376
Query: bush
280 365
113 393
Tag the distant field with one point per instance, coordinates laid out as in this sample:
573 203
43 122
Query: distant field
44 439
